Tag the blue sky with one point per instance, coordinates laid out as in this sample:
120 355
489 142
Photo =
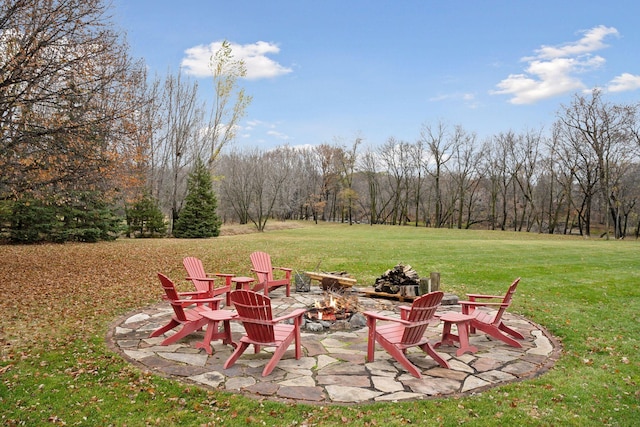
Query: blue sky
335 70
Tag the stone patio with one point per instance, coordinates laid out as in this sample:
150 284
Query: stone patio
333 368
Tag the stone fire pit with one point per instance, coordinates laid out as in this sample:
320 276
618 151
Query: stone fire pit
335 309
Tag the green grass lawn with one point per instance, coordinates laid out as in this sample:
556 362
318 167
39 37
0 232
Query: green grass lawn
58 302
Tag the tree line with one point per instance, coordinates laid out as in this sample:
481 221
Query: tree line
580 178
91 147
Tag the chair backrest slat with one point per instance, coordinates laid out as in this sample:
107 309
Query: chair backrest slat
262 261
423 309
172 295
195 268
254 310
506 302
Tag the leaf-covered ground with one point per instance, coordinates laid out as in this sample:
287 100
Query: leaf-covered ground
51 292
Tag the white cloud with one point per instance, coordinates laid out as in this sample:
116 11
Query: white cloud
198 58
261 131
624 82
554 70
468 98
591 42
278 135
252 124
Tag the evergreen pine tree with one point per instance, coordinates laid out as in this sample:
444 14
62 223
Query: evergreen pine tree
145 218
31 221
87 217
82 216
198 217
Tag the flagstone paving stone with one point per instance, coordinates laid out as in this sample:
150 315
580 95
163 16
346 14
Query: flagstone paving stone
386 384
334 368
312 394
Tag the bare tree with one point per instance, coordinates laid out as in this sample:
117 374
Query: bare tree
230 101
235 183
177 142
288 164
395 158
185 134
419 161
312 201
464 172
252 182
601 134
368 166
348 163
440 146
327 158
268 178
555 186
525 153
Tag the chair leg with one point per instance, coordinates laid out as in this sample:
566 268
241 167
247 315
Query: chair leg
212 330
277 355
371 340
172 324
469 312
510 331
499 335
186 330
401 357
236 354
296 337
428 348
399 354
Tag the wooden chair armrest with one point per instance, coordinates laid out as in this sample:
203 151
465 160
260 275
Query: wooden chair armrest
295 313
227 278
287 271
185 294
483 304
378 316
220 290
202 300
471 296
259 271
202 279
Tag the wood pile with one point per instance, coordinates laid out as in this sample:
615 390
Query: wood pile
401 279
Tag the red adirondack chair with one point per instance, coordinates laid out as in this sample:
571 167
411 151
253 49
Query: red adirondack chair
408 331
491 322
189 318
262 330
262 267
205 285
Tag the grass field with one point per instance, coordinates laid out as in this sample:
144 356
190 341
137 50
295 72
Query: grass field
57 302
